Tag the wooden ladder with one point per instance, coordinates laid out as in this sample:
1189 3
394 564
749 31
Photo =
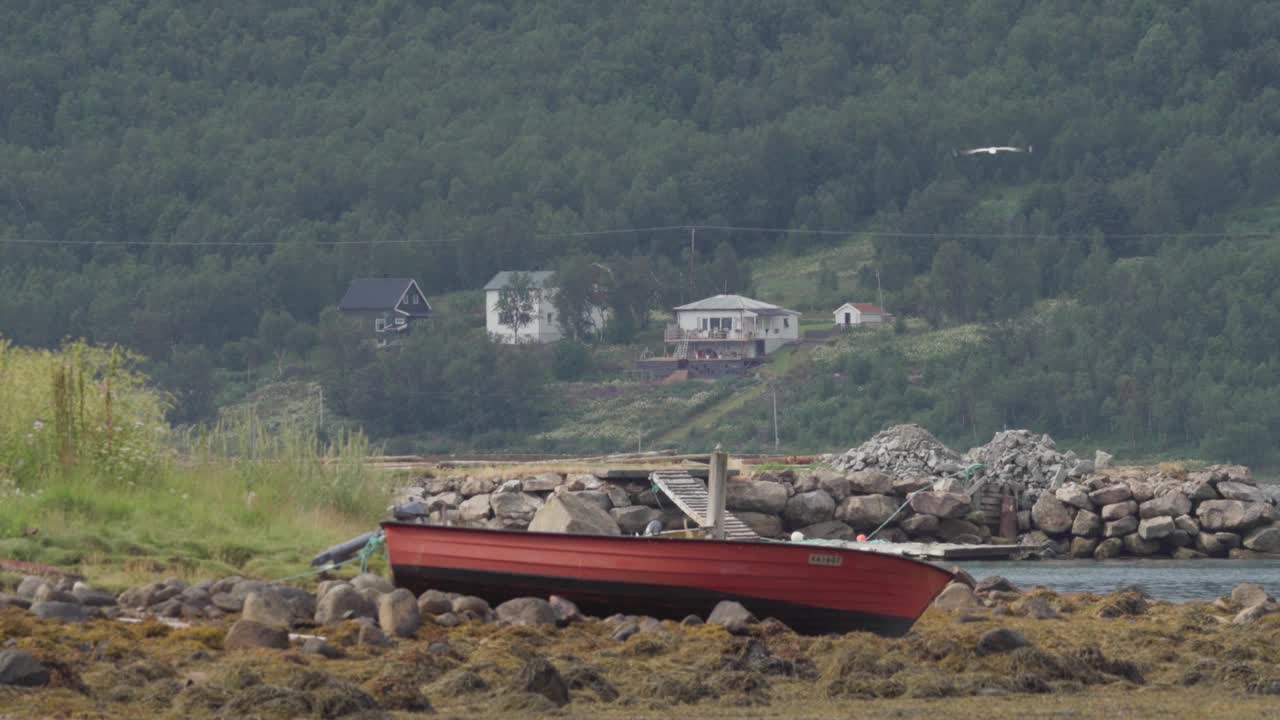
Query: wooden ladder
690 495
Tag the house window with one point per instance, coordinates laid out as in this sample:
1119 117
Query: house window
379 324
786 322
413 298
399 321
551 317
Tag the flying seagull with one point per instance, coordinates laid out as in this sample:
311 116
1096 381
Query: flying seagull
991 150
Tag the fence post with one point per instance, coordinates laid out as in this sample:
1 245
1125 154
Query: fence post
716 492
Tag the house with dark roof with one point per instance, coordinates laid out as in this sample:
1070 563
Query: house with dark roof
389 306
851 314
544 326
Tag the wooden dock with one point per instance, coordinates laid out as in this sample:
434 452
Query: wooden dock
690 495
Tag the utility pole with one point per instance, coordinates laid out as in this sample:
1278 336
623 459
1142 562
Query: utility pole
773 389
693 234
879 292
320 424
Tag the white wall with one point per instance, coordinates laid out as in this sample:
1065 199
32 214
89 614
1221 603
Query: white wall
857 317
545 326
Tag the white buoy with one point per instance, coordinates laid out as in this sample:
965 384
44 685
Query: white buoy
797 536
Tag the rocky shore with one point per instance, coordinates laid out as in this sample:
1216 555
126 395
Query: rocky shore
358 647
911 487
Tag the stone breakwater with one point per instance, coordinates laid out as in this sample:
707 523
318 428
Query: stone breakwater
361 648
912 488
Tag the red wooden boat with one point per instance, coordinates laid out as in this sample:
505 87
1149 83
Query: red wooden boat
813 589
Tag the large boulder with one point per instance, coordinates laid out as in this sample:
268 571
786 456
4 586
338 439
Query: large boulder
866 512
829 530
1209 544
808 508
370 581
1110 494
247 634
1187 523
30 584
20 668
1086 524
1051 515
769 526
762 496
434 602
542 482
1075 496
836 484
1264 539
1155 528
268 607
1172 504
1121 527
1108 549
1233 515
343 602
1138 545
473 486
526 611
567 513
1200 489
941 504
632 519
1240 491
475 509
1118 510
398 613
920 525
870 482
517 505
960 531
1082 547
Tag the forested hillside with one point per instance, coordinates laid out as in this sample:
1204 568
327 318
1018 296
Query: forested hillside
199 181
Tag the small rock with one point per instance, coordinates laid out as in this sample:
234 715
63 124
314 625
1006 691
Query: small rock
318 646
691 620
14 601
526 611
1082 547
1250 614
246 634
732 616
1000 640
67 612
448 620
1123 526
372 636
343 602
1075 496
540 677
1137 545
1249 594
1110 494
49 593
626 630
1186 553
398 613
21 669
995 583
1036 607
1116 511
434 602
956 596
470 603
369 581
566 611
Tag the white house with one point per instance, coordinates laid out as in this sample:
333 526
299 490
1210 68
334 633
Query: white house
732 326
544 326
850 314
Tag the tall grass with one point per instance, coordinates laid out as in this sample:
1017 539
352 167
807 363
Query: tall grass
92 478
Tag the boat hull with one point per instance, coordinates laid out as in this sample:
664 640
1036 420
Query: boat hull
813 589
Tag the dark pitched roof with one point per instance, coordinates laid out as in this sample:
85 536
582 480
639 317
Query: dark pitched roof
537 278
376 293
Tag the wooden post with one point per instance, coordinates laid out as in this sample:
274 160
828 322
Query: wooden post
719 471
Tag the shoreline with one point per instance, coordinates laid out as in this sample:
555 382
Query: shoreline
1011 650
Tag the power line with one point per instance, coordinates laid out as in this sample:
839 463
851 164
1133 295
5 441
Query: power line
691 228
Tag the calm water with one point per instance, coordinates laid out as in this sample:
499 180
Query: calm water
1162 579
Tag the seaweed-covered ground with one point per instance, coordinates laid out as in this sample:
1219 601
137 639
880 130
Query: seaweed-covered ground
1103 656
